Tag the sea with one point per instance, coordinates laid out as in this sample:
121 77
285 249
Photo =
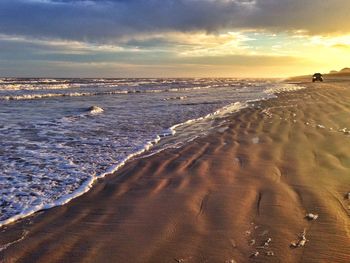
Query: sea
57 136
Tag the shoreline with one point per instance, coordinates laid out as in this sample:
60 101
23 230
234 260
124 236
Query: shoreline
144 150
178 204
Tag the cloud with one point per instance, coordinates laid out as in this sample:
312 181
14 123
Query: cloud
342 46
106 20
174 55
171 37
166 68
171 48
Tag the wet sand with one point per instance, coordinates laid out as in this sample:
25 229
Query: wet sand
240 190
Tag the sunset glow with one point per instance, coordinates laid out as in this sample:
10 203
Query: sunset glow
219 38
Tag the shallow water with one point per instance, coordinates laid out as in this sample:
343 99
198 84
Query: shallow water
52 145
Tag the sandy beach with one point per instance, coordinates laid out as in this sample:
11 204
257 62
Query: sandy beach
240 194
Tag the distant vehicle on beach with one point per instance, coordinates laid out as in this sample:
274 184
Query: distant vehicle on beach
317 77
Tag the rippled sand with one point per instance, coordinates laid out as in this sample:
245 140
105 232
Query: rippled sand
245 188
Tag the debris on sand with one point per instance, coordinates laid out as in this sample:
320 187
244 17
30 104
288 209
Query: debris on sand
252 242
267 242
267 113
255 254
347 196
311 216
301 242
270 253
345 131
182 260
233 243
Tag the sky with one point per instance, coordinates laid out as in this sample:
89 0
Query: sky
173 38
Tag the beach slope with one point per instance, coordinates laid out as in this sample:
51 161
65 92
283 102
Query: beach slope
240 194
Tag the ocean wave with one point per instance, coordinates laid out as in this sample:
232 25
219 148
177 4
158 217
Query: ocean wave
36 96
20 86
59 84
50 95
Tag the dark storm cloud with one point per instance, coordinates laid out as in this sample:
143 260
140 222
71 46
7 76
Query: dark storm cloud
104 20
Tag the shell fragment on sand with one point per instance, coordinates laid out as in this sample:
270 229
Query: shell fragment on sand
267 242
311 216
255 140
270 253
301 242
179 260
345 131
267 113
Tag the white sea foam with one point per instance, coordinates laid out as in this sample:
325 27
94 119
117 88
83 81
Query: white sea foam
95 110
6 246
281 87
71 94
34 96
85 187
34 87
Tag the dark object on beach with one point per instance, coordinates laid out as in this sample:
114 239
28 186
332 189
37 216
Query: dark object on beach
347 196
317 77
